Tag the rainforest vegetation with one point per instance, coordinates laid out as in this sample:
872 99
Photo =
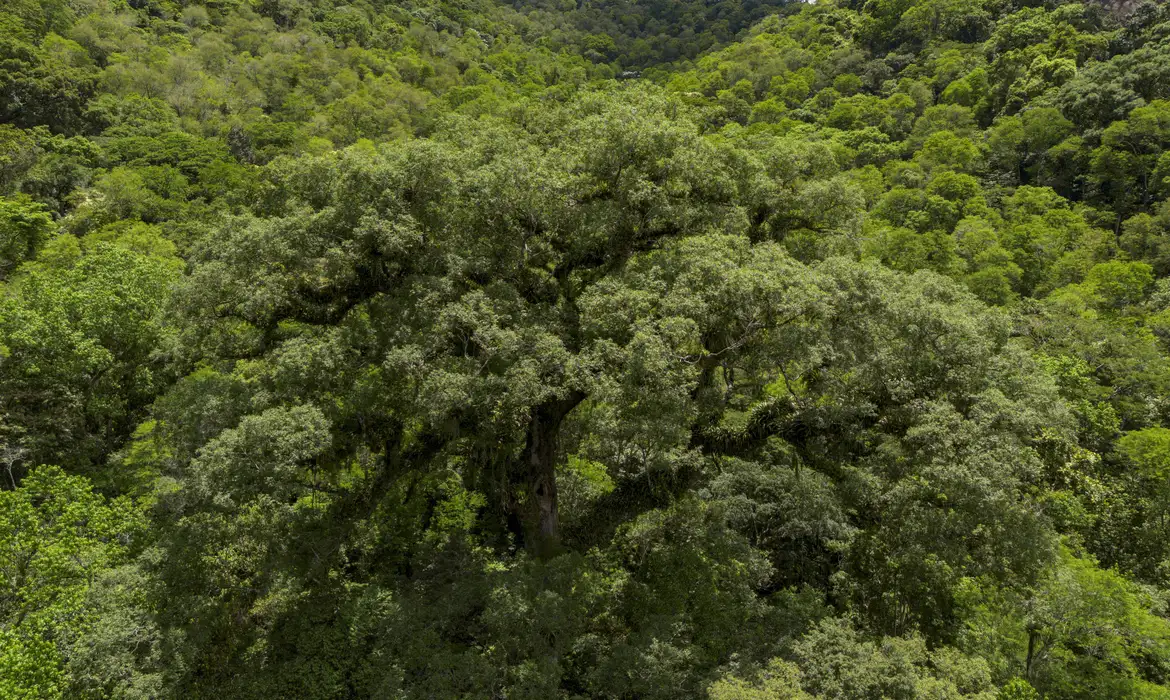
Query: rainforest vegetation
632 349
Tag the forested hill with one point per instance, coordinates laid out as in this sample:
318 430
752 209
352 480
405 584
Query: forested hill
536 349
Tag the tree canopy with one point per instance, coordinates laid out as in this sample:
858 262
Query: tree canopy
641 350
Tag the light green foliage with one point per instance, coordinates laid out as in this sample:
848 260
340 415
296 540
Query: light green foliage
1018 689
1119 284
1077 606
57 539
779 681
31 668
1149 449
79 330
837 663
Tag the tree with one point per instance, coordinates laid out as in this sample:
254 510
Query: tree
57 537
78 332
837 662
780 681
24 228
1083 632
1018 144
1124 169
520 287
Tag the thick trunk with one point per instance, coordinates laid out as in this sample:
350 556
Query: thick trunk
539 471
542 483
1031 652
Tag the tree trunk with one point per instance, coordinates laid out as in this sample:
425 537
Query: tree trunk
1031 652
538 466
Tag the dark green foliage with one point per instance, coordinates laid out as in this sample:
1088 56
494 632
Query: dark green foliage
643 33
24 228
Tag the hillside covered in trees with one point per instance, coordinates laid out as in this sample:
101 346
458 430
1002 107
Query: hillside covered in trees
632 349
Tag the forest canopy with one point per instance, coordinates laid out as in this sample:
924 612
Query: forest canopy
538 349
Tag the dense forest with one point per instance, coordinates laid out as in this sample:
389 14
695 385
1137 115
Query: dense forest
632 349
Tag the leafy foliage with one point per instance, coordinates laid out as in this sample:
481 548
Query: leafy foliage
625 350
